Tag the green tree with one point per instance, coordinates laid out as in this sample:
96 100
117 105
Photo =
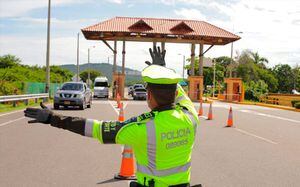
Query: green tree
254 90
284 75
93 74
8 61
61 75
223 61
296 77
261 61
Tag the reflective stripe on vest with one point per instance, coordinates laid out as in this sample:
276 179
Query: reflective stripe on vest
192 118
180 98
150 169
88 129
165 172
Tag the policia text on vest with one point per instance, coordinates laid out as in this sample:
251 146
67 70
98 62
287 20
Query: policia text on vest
174 138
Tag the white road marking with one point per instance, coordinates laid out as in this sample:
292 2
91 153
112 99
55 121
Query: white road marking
115 107
204 117
11 121
11 112
258 137
270 116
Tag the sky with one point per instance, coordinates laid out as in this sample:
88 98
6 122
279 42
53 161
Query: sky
269 27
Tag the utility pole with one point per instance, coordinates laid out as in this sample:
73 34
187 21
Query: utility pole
231 56
214 78
47 88
89 73
183 66
89 69
77 78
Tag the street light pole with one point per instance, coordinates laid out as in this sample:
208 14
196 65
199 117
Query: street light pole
77 77
214 78
231 55
89 75
48 50
89 69
183 66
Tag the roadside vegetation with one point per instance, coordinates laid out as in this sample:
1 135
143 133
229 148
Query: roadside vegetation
258 78
14 75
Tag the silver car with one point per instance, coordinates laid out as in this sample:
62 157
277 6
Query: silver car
73 94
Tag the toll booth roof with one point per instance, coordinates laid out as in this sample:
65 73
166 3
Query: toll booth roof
159 30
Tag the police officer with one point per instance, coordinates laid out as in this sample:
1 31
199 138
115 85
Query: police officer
162 140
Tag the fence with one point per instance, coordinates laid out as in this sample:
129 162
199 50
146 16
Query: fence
279 99
14 98
38 87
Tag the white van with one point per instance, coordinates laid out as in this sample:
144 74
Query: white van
101 87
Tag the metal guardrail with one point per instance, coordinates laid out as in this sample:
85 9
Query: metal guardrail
25 98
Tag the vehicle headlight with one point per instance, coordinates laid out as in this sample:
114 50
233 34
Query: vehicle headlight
57 95
78 96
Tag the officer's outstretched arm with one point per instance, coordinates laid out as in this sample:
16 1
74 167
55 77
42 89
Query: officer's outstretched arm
104 131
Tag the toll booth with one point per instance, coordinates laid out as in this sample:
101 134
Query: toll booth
234 90
155 30
195 87
118 82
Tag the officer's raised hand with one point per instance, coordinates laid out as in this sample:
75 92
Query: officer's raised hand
158 57
39 115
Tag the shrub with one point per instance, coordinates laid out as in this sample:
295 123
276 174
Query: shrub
7 88
297 105
255 90
294 102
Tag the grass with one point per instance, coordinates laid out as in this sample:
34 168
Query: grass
20 106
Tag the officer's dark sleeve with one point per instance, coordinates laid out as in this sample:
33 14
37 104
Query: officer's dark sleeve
104 131
74 124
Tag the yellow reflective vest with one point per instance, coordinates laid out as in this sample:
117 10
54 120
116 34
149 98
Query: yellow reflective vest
162 141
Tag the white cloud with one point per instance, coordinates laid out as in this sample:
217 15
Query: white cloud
32 51
58 24
276 40
269 27
187 2
13 8
116 1
190 14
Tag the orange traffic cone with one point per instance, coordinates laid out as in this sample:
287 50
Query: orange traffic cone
127 165
121 113
230 120
200 113
118 100
210 115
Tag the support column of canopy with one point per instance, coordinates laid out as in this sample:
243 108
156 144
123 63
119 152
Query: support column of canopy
154 45
200 77
162 46
118 79
122 76
194 87
114 78
192 59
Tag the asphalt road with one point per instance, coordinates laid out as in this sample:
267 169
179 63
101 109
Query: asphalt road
262 150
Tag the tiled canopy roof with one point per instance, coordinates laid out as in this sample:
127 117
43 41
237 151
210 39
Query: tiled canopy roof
154 29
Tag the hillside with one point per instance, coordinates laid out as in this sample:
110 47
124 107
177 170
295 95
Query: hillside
132 76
